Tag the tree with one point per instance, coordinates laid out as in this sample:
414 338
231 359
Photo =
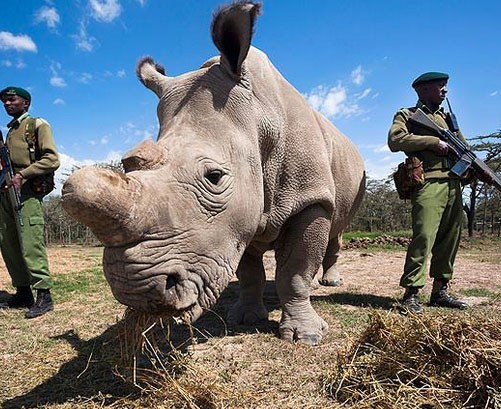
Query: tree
381 209
490 148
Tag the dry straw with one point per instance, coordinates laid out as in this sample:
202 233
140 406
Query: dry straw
431 361
165 372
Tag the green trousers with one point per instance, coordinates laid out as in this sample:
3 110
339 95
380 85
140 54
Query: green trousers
23 249
437 219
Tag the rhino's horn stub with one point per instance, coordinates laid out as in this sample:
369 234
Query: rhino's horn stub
232 29
147 155
152 75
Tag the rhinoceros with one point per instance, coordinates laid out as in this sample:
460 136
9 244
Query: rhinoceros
242 165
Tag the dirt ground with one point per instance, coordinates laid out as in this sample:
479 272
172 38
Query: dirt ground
364 271
262 370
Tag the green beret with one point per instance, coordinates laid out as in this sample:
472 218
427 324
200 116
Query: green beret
430 76
15 91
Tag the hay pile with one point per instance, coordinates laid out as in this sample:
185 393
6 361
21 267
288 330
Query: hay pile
429 361
165 372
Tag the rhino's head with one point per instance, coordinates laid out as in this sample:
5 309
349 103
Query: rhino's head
176 223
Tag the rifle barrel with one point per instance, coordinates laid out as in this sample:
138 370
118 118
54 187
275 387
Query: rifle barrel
457 145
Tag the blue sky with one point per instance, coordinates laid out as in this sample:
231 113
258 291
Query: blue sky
354 61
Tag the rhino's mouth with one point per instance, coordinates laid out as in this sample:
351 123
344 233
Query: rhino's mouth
156 284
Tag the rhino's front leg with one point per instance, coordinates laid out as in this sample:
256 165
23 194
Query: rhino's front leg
299 253
250 308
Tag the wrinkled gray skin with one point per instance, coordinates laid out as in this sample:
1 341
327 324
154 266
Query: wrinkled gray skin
242 165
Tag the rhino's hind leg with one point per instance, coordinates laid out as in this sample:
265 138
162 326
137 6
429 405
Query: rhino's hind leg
249 308
331 276
299 252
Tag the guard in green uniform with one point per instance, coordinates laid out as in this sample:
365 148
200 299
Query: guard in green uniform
33 156
437 205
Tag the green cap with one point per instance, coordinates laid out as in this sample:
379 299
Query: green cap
15 91
430 76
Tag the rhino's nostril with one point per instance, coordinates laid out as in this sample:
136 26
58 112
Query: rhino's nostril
171 282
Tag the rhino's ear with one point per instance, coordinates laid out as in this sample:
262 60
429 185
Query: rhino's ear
152 75
232 29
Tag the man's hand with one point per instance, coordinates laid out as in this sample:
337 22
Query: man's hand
485 177
16 181
441 149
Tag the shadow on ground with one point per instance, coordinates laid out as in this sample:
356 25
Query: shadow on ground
5 295
98 373
358 300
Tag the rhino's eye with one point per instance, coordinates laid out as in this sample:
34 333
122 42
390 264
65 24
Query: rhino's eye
214 176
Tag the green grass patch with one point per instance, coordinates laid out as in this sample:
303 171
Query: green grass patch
479 292
375 234
80 282
386 246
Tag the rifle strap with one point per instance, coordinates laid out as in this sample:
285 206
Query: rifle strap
31 136
42 184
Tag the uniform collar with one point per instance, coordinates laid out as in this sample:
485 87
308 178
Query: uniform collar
420 104
17 121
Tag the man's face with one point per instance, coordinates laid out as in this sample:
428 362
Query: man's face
433 92
15 105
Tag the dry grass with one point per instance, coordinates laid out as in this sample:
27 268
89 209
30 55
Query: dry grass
430 361
163 371
93 353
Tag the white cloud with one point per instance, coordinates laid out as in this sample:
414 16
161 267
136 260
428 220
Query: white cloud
357 75
49 16
363 94
56 80
332 102
68 164
111 74
59 101
141 2
18 64
378 168
9 41
382 148
83 41
135 135
105 10
85 78
103 141
493 94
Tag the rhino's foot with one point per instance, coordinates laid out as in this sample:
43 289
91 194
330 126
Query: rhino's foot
315 283
308 330
247 314
331 278
331 283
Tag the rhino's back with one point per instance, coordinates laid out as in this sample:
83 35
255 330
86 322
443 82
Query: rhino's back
306 159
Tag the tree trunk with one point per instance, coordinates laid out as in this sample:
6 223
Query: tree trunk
470 210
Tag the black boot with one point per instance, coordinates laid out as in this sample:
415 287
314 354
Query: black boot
441 298
23 298
410 302
42 305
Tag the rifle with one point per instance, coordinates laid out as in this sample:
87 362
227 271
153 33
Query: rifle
465 157
6 176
